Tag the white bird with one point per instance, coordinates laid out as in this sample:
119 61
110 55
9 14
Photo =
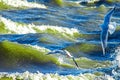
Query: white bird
106 27
63 52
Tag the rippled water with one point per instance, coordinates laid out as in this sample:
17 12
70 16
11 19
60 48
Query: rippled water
33 32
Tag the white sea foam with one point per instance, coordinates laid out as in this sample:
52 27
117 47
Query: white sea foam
117 51
92 1
23 3
40 76
15 27
117 72
39 48
59 29
31 28
60 59
89 1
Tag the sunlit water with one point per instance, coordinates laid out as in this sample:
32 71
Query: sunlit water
54 27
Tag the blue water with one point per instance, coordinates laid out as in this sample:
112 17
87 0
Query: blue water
86 21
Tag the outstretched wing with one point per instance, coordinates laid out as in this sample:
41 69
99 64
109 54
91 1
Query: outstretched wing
75 62
108 16
104 38
68 53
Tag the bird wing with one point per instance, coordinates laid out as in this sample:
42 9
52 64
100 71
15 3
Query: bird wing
75 62
104 38
112 27
68 53
108 16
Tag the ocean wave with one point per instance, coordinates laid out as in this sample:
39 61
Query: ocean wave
11 27
30 27
21 28
117 51
21 4
14 54
49 76
45 50
116 71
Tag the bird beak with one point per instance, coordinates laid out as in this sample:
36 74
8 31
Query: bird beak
75 62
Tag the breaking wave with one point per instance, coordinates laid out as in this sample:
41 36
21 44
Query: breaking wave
21 4
30 29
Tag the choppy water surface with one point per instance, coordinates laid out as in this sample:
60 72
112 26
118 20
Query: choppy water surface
29 34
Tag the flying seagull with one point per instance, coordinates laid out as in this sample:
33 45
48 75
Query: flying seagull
106 27
64 52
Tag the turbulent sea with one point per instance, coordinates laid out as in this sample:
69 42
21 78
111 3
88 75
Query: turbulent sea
29 29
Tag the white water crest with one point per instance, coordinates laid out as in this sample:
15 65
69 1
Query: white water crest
88 1
31 28
39 48
49 76
23 3
16 27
